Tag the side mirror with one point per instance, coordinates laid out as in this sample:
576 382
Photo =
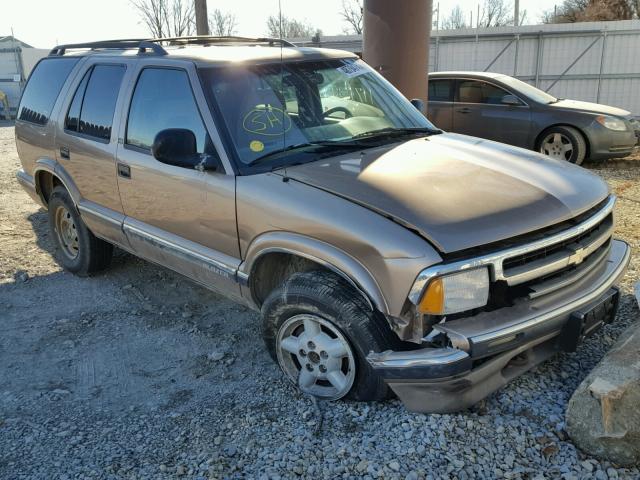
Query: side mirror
419 104
178 147
511 100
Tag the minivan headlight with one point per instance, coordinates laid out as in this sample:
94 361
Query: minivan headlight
612 123
456 292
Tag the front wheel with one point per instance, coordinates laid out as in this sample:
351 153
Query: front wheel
319 329
563 143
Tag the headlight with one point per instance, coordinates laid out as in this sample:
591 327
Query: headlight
612 123
456 292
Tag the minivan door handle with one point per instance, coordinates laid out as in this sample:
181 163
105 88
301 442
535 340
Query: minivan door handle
464 110
64 153
124 170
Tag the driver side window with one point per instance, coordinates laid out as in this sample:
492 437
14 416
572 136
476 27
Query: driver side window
163 99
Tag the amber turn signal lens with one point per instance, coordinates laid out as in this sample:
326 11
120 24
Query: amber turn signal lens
432 302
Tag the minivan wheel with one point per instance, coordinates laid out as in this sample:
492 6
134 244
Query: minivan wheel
78 250
319 329
563 143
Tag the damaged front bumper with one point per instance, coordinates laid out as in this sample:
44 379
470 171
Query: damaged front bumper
492 348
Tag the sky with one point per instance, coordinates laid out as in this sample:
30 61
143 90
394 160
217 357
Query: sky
44 23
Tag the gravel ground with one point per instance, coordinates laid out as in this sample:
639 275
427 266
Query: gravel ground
138 373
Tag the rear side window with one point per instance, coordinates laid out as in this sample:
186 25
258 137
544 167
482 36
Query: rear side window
163 99
94 103
441 90
43 88
72 122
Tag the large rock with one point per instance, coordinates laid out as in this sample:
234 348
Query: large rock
603 416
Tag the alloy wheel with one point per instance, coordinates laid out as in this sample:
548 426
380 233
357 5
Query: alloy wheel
558 146
316 356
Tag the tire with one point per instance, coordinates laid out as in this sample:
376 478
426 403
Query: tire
343 315
77 249
556 141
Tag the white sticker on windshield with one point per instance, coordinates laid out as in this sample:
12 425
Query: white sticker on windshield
352 69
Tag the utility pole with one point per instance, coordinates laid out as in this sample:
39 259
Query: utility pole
202 19
516 12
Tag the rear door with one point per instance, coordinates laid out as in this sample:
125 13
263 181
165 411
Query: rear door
86 145
440 104
479 111
181 218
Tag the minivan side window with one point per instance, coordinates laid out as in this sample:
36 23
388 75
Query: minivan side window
472 91
43 88
94 103
163 99
441 90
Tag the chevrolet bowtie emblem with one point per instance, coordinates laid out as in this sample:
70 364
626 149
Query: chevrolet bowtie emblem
578 257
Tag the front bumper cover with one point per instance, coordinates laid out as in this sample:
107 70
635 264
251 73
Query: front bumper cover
501 345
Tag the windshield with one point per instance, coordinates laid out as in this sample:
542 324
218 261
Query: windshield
530 91
273 108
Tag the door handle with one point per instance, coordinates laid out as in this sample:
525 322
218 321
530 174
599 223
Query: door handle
464 110
64 153
124 171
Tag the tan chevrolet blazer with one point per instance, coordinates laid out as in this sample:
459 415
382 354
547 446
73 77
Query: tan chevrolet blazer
381 251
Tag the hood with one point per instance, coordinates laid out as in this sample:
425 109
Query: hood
458 192
590 107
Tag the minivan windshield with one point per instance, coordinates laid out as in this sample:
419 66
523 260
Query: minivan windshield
527 90
279 114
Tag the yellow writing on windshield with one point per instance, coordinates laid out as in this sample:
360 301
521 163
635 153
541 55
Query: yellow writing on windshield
266 120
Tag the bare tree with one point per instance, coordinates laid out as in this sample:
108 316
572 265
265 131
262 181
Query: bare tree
166 18
495 13
523 17
455 19
181 20
222 24
572 11
352 14
289 27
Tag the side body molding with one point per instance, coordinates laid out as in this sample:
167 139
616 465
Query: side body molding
318 251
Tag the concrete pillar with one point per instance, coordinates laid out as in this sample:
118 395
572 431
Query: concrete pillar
396 42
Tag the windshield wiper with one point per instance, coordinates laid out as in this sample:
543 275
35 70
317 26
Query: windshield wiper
396 132
327 145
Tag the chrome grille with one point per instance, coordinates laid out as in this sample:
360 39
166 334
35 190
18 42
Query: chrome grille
556 257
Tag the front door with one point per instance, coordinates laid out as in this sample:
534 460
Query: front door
479 111
179 217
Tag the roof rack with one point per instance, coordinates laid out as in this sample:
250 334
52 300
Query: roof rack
142 44
153 45
210 39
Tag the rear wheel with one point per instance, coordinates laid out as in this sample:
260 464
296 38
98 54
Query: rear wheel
78 250
319 329
563 143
